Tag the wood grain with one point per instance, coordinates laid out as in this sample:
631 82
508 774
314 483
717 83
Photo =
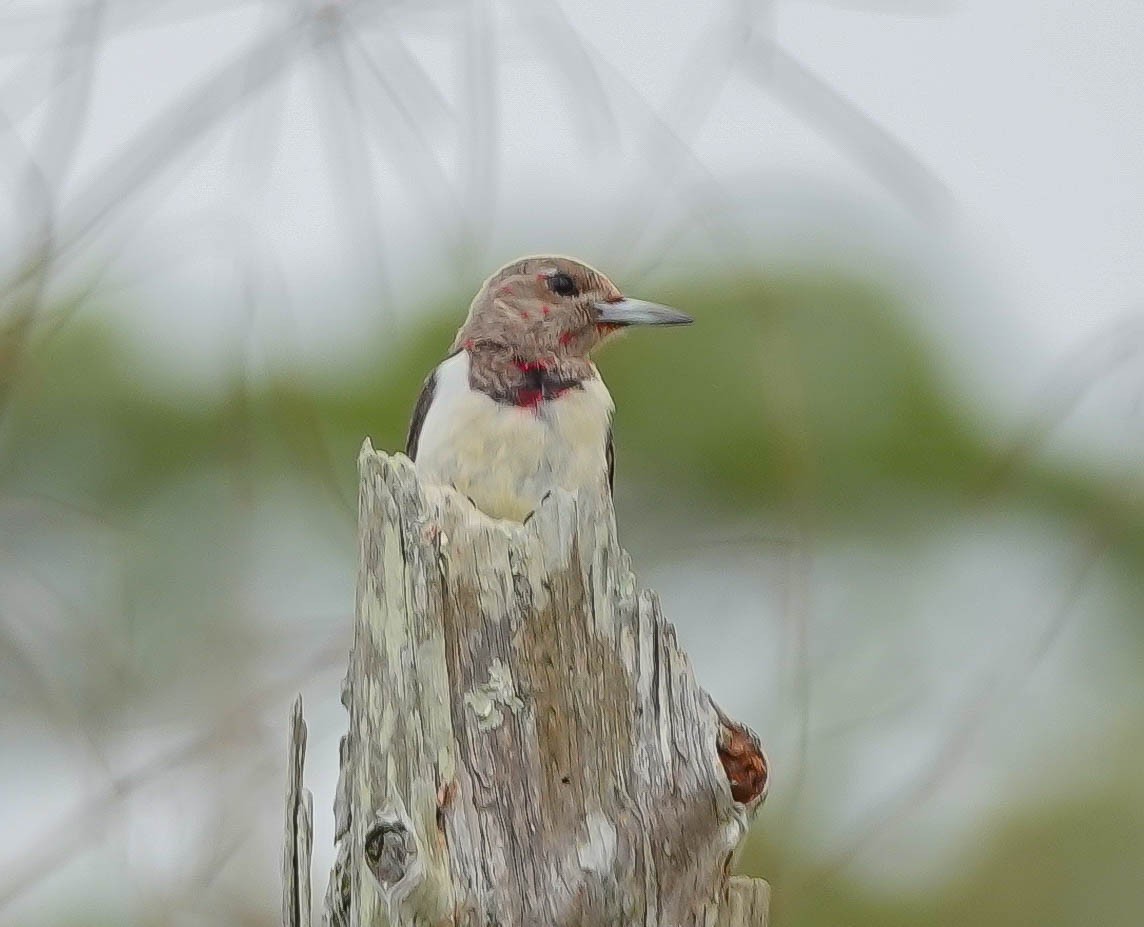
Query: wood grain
527 742
299 838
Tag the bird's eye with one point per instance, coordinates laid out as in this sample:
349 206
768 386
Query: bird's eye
562 285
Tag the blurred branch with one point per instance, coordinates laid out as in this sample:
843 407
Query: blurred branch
1067 384
662 136
1000 687
405 138
24 30
86 822
480 124
351 168
167 136
884 156
699 81
45 170
572 63
25 673
419 99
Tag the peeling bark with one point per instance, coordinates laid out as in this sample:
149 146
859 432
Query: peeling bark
527 742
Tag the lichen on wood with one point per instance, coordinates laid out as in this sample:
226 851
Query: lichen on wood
527 742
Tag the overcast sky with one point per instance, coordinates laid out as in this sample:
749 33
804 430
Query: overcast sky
1016 195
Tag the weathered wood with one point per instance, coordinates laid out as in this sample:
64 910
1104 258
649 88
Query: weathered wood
299 829
527 742
747 901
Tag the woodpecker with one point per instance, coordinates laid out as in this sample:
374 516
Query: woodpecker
518 408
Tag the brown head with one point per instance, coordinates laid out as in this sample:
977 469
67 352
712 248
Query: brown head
552 310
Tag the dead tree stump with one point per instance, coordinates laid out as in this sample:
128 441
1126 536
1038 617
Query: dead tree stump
528 746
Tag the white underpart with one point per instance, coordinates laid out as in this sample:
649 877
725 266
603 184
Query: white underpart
506 458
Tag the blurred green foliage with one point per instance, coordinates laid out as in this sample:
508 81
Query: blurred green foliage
806 387
1074 863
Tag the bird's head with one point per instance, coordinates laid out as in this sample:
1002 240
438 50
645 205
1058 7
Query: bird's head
547 306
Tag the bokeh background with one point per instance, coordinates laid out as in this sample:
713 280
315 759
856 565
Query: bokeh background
888 486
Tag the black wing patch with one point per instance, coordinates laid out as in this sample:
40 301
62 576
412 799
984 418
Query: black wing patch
610 453
419 412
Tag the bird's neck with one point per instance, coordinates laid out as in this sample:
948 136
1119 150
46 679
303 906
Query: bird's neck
514 378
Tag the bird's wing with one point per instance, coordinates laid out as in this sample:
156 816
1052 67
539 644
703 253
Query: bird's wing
419 412
610 453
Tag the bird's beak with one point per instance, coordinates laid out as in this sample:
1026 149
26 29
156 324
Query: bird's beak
637 312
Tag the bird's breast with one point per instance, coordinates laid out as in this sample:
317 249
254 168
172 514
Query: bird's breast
507 456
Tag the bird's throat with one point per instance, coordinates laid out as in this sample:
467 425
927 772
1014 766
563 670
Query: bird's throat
527 382
537 383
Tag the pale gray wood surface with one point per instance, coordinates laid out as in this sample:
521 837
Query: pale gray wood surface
527 742
299 829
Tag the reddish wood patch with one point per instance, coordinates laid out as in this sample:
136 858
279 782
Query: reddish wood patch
743 761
